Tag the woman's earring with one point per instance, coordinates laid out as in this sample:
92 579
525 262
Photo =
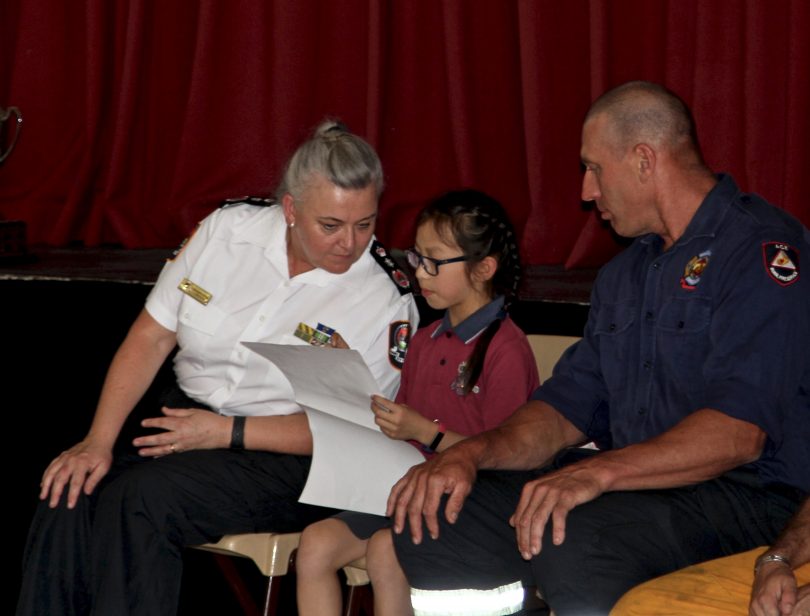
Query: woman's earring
291 225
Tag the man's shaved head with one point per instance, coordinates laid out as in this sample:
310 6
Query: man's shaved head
644 112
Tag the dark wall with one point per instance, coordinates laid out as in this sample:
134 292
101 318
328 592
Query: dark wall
58 341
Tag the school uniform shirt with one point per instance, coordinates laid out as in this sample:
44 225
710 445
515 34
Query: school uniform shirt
439 353
238 255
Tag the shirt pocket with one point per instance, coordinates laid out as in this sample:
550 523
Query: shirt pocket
205 320
683 336
615 335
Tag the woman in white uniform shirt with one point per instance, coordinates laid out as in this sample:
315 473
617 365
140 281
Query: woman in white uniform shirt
248 273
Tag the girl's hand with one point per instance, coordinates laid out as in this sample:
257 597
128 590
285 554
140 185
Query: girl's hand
401 422
337 342
185 429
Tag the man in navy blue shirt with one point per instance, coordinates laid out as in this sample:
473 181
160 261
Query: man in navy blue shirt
693 373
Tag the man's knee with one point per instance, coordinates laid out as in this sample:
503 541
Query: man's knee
611 544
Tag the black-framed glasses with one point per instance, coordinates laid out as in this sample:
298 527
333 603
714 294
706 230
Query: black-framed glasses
429 264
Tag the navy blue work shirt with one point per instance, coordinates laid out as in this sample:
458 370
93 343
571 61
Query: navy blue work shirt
720 320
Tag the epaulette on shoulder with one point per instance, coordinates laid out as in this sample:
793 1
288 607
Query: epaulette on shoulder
399 277
257 201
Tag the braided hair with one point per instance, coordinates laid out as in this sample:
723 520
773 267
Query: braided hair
480 227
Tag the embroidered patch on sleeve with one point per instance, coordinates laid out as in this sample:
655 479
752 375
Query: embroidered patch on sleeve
781 262
399 335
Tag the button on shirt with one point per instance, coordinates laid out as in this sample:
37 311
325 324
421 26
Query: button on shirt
238 255
710 323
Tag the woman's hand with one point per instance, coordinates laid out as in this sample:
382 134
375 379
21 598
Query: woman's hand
80 468
401 422
185 429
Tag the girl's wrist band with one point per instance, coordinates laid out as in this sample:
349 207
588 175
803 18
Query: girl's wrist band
439 435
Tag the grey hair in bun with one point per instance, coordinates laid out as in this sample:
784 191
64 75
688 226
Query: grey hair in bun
333 152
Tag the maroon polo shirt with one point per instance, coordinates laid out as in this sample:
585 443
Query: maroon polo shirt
432 364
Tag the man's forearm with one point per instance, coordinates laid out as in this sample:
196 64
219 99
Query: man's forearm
701 447
794 542
530 438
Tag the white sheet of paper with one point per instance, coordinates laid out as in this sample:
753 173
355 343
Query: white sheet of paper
353 468
354 465
335 381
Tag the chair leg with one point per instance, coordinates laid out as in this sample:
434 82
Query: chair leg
274 588
237 585
271 599
359 601
352 601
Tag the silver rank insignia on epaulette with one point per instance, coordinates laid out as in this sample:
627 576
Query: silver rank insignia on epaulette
247 200
384 260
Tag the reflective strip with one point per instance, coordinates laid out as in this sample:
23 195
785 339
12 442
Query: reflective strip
499 601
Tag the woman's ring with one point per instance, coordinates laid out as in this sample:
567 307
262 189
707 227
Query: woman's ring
172 448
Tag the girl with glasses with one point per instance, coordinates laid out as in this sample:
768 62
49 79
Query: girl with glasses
463 374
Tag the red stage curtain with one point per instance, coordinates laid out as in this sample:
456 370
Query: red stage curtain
141 115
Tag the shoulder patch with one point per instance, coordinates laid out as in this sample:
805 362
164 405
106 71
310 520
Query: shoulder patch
257 201
385 261
781 262
399 337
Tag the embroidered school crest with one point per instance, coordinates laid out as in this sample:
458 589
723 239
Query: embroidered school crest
694 270
399 335
459 382
781 262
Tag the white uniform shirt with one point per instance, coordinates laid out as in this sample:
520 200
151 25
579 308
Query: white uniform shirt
238 254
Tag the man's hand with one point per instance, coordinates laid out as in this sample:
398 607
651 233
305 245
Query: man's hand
802 607
80 468
419 493
551 496
185 429
774 592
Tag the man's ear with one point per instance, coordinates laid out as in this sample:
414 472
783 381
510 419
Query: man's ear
645 155
485 269
288 204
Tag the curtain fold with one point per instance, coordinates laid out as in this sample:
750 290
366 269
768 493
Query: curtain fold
140 116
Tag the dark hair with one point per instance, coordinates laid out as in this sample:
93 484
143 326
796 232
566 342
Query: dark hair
480 227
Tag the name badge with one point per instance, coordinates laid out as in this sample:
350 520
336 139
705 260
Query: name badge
195 291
